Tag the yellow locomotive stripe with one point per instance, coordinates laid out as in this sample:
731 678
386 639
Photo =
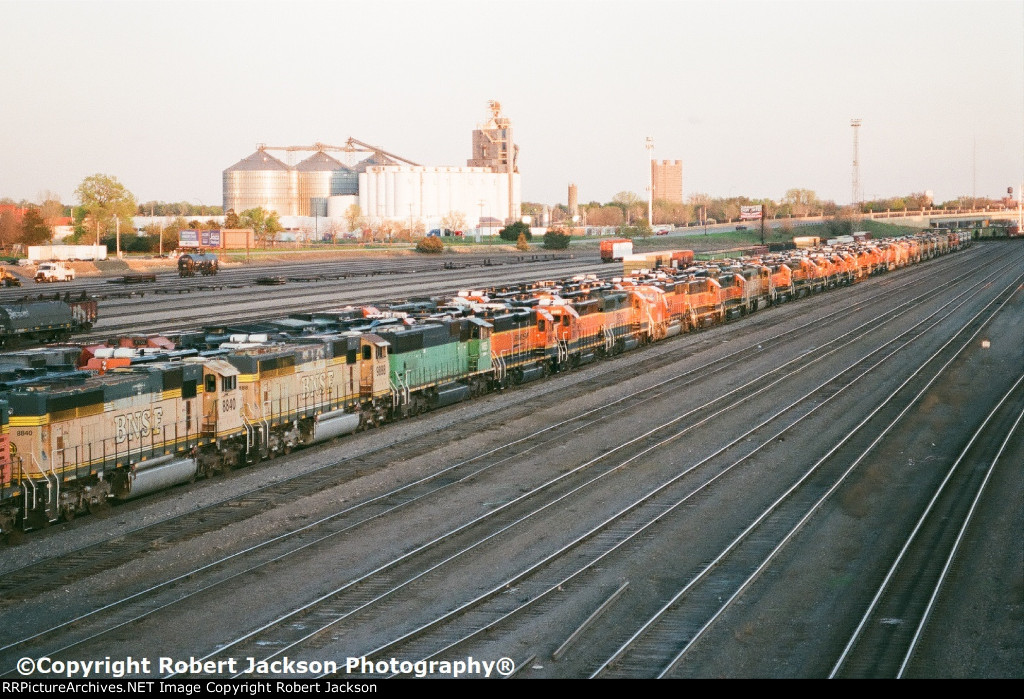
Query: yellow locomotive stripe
29 420
171 393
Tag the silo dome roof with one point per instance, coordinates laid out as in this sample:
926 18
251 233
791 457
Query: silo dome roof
260 160
320 161
375 159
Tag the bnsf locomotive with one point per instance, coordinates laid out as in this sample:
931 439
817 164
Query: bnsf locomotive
73 439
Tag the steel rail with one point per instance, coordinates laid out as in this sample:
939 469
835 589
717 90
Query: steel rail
817 505
865 326
912 536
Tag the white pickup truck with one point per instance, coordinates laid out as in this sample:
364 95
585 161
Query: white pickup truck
54 272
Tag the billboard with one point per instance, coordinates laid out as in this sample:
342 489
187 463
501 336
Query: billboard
750 213
199 239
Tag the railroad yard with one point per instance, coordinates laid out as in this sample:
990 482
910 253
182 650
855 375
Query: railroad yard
827 488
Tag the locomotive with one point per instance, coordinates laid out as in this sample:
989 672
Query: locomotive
73 439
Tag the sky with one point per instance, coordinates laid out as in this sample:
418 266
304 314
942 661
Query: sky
754 97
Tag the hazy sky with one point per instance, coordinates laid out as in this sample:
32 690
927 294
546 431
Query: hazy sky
754 97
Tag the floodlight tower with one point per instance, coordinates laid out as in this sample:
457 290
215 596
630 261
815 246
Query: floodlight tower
855 123
649 145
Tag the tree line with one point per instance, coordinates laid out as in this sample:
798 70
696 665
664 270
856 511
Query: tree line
628 208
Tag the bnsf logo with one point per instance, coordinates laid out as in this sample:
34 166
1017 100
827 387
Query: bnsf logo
313 385
142 423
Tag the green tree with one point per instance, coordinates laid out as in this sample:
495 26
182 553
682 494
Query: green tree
231 219
641 229
512 231
839 225
263 223
556 239
103 201
800 201
170 233
34 230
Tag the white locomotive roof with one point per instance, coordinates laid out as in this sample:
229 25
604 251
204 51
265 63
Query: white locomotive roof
219 366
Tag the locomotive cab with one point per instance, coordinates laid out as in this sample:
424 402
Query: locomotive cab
222 422
373 369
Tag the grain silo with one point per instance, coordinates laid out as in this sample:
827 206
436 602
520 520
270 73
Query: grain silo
320 177
260 180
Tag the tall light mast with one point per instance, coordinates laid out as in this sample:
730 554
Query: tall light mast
855 123
650 186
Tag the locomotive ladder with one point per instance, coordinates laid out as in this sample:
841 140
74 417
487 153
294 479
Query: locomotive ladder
399 391
609 338
52 491
248 432
650 320
264 409
563 351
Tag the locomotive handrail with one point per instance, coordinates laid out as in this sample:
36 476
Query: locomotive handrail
46 477
249 440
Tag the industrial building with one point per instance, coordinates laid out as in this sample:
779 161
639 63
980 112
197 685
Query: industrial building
667 178
385 186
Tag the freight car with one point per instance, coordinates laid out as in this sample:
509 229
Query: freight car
195 263
75 439
44 321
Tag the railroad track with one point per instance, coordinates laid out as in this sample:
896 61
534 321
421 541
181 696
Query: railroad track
884 642
684 621
751 349
450 635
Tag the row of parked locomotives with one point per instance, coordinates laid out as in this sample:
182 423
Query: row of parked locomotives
77 438
144 416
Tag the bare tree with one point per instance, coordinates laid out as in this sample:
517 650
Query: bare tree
354 218
50 206
629 202
454 221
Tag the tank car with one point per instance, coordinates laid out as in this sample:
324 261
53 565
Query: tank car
195 263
